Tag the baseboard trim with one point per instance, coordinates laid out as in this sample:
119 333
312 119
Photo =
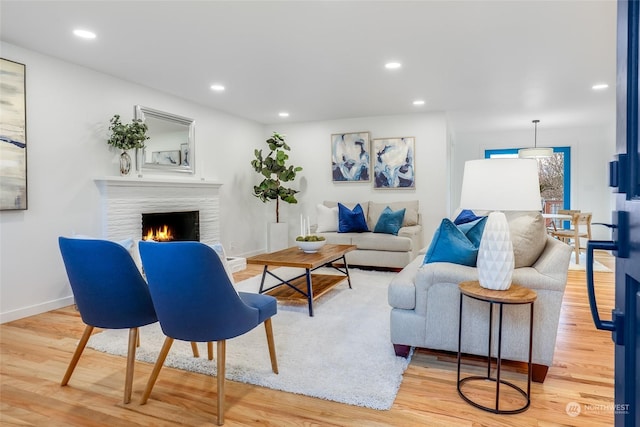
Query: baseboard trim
32 310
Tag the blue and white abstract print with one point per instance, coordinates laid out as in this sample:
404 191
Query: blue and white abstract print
350 157
394 163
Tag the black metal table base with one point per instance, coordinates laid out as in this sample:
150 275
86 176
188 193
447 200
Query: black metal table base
307 275
497 380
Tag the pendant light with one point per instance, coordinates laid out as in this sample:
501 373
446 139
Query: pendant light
535 152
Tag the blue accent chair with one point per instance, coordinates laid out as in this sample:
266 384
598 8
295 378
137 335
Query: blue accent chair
109 293
196 301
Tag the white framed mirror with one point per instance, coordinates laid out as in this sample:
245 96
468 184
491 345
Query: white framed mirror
171 142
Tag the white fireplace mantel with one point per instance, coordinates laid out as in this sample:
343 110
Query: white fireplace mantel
125 199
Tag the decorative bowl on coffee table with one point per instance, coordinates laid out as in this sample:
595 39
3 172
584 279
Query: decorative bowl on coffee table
311 247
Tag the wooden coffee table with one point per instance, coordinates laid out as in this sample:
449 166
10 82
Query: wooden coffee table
316 284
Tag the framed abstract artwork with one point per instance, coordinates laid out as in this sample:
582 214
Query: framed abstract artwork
350 157
393 164
13 136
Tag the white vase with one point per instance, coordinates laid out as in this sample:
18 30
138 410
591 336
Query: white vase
125 163
495 256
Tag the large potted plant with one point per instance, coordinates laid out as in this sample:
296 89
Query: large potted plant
126 137
273 167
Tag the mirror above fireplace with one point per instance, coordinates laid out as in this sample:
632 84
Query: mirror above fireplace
170 146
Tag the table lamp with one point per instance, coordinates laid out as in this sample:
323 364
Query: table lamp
499 185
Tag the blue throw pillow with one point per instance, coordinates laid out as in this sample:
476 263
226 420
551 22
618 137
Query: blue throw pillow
351 221
390 222
474 229
450 244
465 216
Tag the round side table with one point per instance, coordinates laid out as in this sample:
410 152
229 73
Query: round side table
516 294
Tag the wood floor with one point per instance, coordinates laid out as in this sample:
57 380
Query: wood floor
35 352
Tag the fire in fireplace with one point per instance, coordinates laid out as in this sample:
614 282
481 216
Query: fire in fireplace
171 226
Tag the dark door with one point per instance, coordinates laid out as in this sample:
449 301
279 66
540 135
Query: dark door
625 178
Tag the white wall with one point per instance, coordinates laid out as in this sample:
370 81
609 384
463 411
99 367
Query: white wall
311 149
591 151
68 112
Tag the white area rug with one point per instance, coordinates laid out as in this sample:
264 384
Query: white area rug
343 353
583 264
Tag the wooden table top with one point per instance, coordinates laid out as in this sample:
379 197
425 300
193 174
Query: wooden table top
295 257
516 294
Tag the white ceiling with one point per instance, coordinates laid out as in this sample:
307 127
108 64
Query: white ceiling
489 64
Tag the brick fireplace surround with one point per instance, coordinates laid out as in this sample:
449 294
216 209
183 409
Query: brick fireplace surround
124 200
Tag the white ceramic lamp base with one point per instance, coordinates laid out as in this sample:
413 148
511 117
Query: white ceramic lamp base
495 256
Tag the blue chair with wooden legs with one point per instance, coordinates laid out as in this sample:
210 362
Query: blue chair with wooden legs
109 293
195 301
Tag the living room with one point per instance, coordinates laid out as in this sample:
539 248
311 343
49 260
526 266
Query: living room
69 106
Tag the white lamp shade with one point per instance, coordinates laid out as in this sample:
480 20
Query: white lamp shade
501 185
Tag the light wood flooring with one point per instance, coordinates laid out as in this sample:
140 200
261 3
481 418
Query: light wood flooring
35 351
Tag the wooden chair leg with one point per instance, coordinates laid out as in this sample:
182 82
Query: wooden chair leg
210 350
272 347
194 348
576 245
156 369
76 354
221 347
131 360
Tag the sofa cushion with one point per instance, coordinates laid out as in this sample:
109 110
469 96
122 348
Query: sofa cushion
380 242
450 244
351 221
528 235
335 238
327 218
390 221
410 215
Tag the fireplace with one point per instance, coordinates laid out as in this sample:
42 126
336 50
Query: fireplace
125 200
171 226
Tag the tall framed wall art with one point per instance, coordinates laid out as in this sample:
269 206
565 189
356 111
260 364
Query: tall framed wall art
350 157
394 163
13 136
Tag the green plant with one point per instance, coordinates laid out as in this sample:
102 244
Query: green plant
273 167
127 136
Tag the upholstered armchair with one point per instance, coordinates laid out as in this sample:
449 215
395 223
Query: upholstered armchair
425 303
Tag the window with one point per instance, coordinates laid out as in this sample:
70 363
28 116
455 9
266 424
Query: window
554 174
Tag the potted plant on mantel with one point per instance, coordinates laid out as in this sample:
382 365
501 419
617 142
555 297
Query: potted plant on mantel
275 171
126 137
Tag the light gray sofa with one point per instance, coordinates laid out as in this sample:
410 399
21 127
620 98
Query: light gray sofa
425 302
378 249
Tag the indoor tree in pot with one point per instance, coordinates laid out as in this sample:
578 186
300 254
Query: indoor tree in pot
126 137
275 171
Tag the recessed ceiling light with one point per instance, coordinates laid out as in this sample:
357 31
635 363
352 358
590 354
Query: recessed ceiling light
392 65
85 34
217 88
283 114
600 86
418 102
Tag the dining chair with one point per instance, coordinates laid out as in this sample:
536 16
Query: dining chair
109 292
580 229
196 301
